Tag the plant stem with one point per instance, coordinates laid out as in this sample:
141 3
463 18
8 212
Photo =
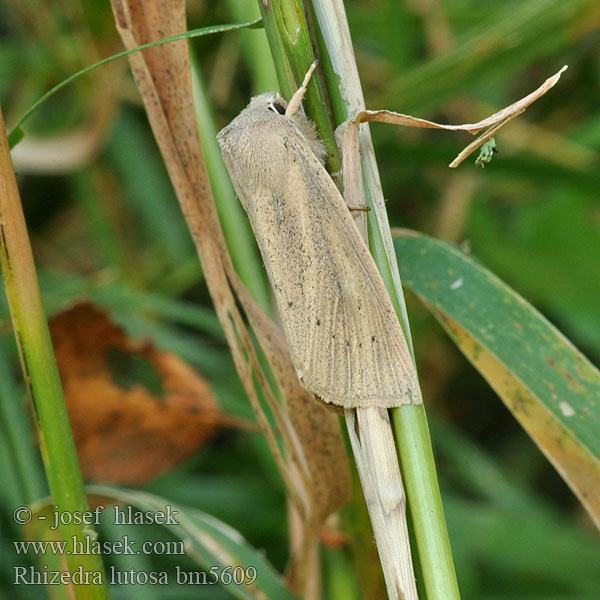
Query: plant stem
425 501
412 433
41 374
291 47
410 422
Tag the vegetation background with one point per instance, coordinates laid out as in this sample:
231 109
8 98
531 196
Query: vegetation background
105 224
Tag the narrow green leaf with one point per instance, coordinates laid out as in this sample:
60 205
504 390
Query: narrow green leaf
14 136
41 375
549 386
211 543
236 227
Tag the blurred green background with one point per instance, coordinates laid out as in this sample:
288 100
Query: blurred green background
105 224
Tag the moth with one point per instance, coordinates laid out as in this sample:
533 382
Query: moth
344 337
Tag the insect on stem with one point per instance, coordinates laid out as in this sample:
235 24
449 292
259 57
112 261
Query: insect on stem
296 99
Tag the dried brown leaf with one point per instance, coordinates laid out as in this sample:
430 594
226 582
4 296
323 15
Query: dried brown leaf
135 411
495 121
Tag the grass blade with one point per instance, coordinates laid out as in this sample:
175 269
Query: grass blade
548 385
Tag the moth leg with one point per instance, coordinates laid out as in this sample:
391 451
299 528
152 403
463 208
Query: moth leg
360 208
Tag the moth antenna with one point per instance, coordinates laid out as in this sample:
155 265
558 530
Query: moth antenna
294 103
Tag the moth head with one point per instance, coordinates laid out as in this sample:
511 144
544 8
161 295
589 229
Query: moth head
270 101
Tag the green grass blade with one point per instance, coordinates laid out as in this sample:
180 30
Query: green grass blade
41 373
17 134
27 481
210 542
255 48
549 386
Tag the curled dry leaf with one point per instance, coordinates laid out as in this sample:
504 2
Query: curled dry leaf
135 411
493 123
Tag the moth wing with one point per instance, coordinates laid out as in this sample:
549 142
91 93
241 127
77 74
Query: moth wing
342 331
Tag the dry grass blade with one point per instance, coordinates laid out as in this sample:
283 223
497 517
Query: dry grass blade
314 474
377 463
494 122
